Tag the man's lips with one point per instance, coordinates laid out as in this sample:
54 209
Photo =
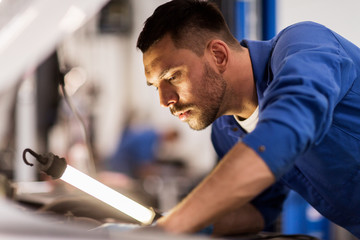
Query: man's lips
183 115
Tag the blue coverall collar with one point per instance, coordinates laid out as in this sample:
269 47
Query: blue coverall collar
260 63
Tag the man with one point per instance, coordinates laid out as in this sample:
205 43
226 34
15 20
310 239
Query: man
285 114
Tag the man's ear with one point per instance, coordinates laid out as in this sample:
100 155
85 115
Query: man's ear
219 52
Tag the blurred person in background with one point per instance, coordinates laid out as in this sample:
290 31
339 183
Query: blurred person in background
139 147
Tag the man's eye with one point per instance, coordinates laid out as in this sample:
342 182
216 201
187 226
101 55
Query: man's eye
175 76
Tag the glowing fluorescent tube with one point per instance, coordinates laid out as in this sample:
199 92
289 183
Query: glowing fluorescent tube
104 193
56 167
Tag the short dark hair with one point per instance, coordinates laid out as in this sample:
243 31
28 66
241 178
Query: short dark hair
190 24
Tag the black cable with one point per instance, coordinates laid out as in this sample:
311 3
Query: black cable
290 236
91 162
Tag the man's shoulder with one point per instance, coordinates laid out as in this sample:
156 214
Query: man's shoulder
304 27
305 31
304 35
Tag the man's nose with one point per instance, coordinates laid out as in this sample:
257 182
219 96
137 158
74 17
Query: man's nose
168 95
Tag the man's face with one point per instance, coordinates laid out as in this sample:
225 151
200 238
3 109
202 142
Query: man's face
187 84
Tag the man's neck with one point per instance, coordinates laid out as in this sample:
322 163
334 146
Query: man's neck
241 93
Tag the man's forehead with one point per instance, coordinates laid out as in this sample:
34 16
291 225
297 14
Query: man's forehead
157 69
151 64
157 62
157 53
164 56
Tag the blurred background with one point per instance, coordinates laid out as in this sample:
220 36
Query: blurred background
108 123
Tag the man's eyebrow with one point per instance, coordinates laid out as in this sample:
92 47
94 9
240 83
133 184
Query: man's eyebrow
163 73
160 76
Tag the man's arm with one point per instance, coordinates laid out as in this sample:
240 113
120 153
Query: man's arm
238 178
247 219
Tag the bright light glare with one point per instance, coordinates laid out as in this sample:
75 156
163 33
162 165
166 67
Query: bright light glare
17 25
72 19
104 193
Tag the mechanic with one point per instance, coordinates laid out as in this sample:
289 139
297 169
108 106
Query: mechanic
285 114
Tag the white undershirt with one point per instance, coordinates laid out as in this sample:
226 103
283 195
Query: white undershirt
249 124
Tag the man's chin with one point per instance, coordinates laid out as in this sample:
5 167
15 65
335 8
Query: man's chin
197 126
